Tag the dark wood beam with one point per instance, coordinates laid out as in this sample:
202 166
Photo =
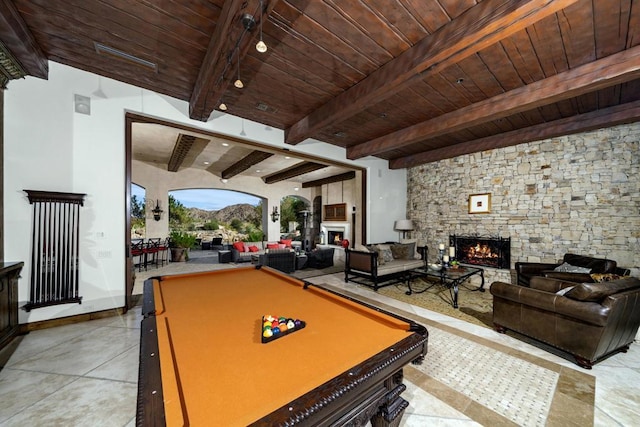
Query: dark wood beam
609 71
292 172
216 72
245 163
625 113
483 25
15 33
336 178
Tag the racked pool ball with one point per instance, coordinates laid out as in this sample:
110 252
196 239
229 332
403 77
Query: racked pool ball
267 333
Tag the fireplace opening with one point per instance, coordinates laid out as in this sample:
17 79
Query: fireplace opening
335 237
492 252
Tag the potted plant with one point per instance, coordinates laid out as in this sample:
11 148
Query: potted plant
179 243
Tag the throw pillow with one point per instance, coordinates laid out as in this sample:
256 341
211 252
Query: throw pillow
401 252
272 246
416 254
568 268
378 250
239 246
253 249
385 251
286 242
361 248
564 290
604 277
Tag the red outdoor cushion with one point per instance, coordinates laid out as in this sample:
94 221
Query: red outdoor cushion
253 248
239 246
272 246
287 242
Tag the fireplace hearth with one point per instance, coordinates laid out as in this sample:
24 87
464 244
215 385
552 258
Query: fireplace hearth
492 252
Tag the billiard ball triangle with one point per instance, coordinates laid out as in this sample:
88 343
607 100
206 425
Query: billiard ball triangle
275 327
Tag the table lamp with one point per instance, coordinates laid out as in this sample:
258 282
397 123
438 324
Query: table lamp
403 225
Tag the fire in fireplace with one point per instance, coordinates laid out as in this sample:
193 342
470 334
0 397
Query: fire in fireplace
335 237
483 251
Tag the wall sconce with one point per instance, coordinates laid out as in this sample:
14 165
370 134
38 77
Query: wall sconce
274 214
157 212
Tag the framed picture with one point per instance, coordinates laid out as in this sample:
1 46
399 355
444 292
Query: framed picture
479 203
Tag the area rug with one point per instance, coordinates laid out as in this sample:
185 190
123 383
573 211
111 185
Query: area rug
473 306
315 272
490 383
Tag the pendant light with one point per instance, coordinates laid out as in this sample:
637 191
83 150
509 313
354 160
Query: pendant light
261 46
238 83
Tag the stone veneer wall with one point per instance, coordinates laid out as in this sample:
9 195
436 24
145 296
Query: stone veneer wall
577 193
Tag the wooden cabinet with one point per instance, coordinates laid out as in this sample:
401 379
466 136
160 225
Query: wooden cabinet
9 274
337 212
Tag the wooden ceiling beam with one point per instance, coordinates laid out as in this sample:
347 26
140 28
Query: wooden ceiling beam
483 25
19 40
245 163
619 114
221 55
329 180
609 71
292 172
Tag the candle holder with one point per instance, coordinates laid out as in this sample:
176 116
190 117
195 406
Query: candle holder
441 256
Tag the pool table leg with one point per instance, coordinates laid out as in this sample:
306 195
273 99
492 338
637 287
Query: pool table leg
390 413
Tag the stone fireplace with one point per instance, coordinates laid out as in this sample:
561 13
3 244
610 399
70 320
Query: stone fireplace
494 252
333 233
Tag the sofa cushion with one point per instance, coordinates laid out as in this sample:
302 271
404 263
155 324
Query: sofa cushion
239 246
384 251
416 254
253 248
402 251
596 292
286 242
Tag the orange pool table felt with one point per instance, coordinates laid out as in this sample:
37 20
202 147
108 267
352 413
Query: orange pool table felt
210 324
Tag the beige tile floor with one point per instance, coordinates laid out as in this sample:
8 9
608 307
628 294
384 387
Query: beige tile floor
86 374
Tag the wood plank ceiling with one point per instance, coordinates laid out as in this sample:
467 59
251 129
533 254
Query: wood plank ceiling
409 81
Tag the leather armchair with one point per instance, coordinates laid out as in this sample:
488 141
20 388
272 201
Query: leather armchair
590 321
527 270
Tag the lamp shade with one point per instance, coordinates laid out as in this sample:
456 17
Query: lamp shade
403 225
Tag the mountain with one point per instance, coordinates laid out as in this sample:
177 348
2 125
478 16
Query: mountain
243 211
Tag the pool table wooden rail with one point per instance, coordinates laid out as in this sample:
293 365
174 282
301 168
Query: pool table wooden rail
368 391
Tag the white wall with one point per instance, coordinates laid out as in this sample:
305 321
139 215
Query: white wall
49 147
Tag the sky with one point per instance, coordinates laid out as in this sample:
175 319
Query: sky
209 200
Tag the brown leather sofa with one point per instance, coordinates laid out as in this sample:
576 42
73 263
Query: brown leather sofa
590 321
527 270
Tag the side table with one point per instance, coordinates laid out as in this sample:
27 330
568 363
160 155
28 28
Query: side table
301 261
224 257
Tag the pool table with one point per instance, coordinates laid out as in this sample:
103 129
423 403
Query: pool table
202 360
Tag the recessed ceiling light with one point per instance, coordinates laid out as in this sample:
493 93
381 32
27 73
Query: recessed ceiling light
340 134
287 157
258 170
460 80
225 144
224 181
296 188
207 163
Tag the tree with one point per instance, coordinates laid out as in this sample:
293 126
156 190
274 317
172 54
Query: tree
137 212
179 216
290 208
